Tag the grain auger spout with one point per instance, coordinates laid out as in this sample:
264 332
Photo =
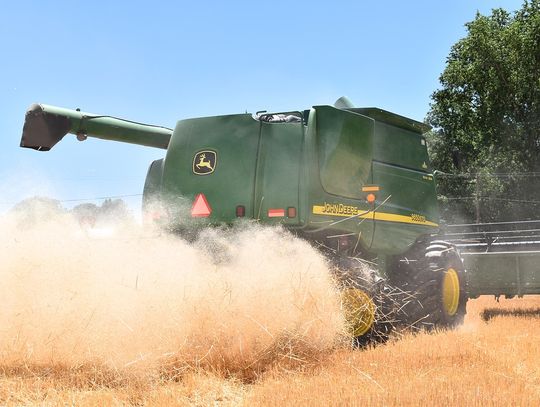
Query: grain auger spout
46 125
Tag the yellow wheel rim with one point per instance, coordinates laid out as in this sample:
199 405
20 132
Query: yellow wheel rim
359 310
450 292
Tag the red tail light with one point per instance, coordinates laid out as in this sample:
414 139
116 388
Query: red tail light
276 213
240 211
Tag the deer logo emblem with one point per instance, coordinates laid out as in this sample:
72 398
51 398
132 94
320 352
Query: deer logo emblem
204 162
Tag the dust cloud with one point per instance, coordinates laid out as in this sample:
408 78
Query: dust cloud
235 301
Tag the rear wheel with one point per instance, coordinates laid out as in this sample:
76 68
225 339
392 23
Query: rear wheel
433 288
359 311
445 261
362 300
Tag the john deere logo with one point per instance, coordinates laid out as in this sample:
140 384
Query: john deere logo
204 162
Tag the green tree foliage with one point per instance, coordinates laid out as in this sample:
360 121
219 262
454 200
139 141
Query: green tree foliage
110 211
36 209
32 211
486 119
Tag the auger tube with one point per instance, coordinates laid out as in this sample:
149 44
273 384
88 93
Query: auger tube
46 125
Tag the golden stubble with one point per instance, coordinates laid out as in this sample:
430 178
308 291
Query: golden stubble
482 363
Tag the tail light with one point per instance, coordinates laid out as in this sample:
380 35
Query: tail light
240 211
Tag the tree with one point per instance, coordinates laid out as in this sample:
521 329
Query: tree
110 211
36 209
86 213
114 210
486 118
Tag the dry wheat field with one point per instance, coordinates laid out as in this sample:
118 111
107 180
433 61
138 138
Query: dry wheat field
249 317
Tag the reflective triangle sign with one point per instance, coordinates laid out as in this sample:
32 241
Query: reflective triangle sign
200 208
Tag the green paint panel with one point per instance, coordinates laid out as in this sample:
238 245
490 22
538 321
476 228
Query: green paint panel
235 140
406 192
503 273
345 144
321 223
400 147
278 171
152 185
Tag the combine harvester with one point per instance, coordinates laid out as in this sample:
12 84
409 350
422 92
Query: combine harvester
355 182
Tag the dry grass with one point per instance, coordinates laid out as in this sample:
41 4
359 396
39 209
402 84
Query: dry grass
482 363
248 318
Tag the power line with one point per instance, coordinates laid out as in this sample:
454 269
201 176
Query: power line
512 200
493 174
487 198
98 198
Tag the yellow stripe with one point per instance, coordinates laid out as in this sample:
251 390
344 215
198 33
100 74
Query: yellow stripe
371 189
389 217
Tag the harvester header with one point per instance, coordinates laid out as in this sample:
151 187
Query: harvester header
46 125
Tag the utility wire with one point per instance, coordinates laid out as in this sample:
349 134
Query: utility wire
98 198
465 198
493 174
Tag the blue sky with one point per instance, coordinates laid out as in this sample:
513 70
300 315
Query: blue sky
164 61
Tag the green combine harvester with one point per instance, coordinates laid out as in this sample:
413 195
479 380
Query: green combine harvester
355 182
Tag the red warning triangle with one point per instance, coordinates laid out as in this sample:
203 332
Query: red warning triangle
200 208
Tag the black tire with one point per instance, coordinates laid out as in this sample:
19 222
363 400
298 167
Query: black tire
355 279
432 282
383 324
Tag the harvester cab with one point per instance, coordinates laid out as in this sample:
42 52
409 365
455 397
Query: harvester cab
356 182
